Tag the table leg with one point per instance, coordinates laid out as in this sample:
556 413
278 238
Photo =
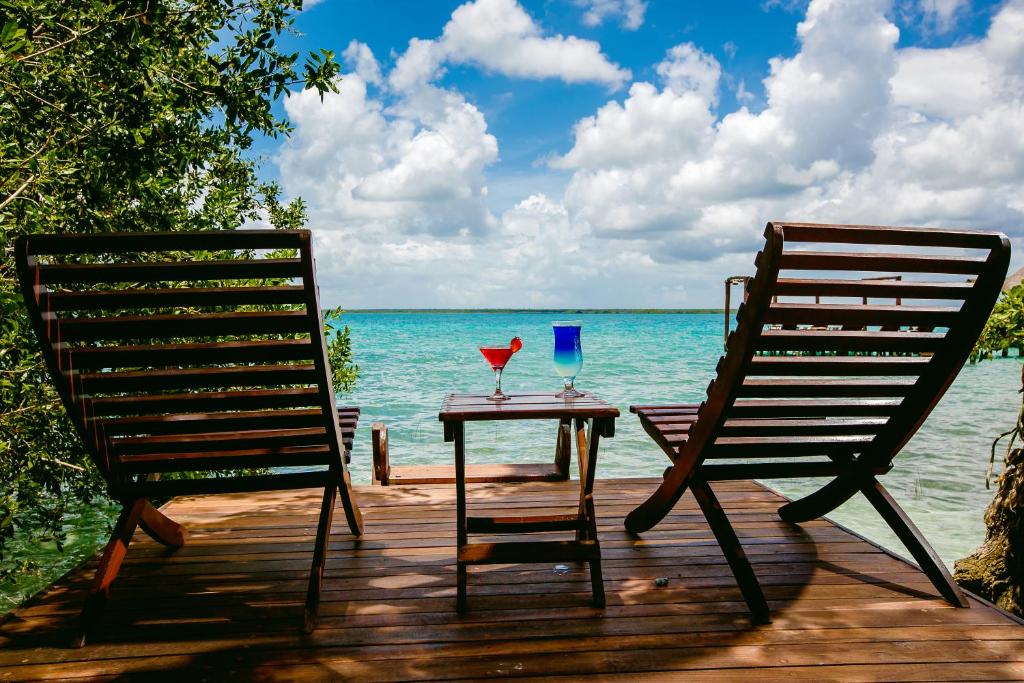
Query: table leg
587 445
563 448
461 537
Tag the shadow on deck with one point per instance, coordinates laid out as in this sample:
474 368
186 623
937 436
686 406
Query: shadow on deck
229 604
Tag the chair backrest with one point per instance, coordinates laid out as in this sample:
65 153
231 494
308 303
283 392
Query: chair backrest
806 388
185 352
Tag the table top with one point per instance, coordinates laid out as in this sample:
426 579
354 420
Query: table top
533 406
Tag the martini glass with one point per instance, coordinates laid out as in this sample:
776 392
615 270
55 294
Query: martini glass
568 355
497 357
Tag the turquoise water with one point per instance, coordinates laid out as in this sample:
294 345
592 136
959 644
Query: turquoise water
410 360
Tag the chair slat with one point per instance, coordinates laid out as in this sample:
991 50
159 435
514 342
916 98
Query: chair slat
875 262
212 441
191 423
786 446
161 380
163 355
132 242
183 325
169 271
909 341
903 289
801 427
891 235
860 315
256 399
176 297
299 456
720 471
797 366
822 407
828 388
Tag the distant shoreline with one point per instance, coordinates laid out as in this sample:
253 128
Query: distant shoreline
599 311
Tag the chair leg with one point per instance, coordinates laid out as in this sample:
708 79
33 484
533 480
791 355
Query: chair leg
106 572
730 544
915 542
316 572
348 501
162 528
821 502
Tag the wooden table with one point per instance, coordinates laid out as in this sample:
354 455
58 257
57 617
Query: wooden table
572 415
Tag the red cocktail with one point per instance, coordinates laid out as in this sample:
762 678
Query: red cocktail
497 357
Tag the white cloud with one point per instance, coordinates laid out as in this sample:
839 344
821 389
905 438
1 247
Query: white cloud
630 12
854 130
360 59
686 67
415 167
666 195
499 36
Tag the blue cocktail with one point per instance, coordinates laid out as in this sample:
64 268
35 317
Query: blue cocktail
568 355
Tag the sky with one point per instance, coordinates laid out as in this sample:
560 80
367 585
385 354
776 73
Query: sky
628 153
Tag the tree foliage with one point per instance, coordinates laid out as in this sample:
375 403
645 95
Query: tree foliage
1005 327
122 115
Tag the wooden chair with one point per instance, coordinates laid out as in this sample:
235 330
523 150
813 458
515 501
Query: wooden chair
833 415
169 362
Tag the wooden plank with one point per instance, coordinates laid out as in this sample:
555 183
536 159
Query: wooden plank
164 355
206 401
881 234
207 377
167 444
183 423
228 605
823 388
787 446
475 407
903 289
531 551
849 340
860 315
210 459
184 325
445 474
175 297
133 242
168 271
769 408
521 524
797 366
526 412
878 262
798 427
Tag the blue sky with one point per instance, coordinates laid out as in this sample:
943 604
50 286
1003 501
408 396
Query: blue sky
628 153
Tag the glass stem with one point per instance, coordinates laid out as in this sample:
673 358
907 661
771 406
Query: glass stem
569 381
497 381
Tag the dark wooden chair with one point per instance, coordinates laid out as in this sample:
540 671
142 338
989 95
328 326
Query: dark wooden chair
170 362
808 408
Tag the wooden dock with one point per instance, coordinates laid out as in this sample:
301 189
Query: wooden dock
228 605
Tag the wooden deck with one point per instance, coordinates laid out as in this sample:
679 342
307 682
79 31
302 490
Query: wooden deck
228 605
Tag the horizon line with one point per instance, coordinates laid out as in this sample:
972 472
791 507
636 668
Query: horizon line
538 310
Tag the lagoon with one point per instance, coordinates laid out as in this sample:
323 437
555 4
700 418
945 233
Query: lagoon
409 360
